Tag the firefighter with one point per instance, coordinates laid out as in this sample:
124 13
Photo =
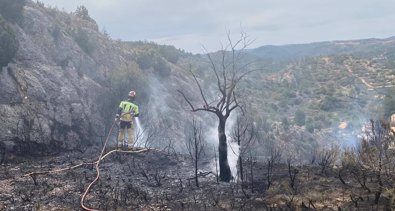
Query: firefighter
126 112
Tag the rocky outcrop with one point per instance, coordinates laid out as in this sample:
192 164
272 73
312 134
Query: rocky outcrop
62 90
51 96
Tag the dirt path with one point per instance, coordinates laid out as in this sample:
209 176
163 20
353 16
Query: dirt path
349 69
366 65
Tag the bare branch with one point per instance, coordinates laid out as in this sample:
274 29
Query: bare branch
200 88
213 67
186 99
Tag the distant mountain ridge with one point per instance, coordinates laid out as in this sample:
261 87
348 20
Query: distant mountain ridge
298 51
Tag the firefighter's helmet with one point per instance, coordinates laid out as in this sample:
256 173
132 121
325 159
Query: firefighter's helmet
132 94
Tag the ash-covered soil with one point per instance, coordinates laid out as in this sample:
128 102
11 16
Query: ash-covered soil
158 180
150 180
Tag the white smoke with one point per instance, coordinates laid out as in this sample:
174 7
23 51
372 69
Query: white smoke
349 137
233 147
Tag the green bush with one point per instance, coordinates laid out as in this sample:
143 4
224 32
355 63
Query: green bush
83 13
170 53
300 117
40 4
149 59
161 67
310 127
124 79
145 60
83 40
274 106
330 104
12 10
56 32
8 43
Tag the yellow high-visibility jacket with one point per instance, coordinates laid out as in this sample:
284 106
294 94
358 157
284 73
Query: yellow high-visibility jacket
127 110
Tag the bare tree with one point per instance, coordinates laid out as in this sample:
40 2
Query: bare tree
376 155
292 173
327 158
195 145
251 160
229 69
275 158
372 164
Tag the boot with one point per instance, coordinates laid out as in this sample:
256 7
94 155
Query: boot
120 144
130 138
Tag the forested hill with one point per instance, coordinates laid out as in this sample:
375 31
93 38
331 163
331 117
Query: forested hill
63 77
362 48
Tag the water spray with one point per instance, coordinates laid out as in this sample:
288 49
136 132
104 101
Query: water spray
139 133
233 147
233 157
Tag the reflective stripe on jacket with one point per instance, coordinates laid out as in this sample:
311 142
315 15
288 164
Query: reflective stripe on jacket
126 109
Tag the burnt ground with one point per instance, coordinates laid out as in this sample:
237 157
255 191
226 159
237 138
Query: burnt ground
156 180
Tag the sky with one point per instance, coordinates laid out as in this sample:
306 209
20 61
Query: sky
194 24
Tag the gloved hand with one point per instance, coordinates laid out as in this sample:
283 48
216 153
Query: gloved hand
117 118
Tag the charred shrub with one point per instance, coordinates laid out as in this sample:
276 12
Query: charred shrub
8 43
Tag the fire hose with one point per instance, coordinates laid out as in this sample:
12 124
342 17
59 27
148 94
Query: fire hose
97 171
97 162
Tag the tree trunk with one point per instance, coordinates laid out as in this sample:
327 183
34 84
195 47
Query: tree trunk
240 161
224 170
380 189
241 172
196 168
